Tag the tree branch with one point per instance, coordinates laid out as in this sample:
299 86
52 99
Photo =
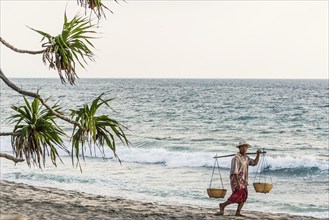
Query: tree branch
35 95
19 50
9 157
8 134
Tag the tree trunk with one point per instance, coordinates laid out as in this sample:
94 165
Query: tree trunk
35 95
19 50
9 157
8 134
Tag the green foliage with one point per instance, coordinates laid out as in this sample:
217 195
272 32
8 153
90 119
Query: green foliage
70 46
99 130
96 6
38 134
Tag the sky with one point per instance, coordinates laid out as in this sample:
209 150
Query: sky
179 39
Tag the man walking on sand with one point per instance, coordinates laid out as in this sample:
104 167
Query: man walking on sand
239 178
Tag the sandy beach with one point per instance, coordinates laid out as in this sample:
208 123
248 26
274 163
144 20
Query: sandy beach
29 202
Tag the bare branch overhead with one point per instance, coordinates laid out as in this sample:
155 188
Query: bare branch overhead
19 50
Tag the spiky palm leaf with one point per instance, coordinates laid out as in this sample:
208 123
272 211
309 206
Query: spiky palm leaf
99 130
70 46
39 134
95 6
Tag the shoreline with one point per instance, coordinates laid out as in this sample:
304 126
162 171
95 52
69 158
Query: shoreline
18 199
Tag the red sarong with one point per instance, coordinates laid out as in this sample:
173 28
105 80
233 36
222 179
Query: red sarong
238 196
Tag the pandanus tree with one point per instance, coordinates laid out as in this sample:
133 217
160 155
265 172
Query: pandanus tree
36 134
64 50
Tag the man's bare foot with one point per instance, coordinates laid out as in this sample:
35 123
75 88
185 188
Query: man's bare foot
239 214
221 209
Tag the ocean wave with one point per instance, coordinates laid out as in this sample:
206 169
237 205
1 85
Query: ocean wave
42 177
203 139
298 171
244 118
285 164
183 157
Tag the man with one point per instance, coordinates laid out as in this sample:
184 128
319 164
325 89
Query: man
239 177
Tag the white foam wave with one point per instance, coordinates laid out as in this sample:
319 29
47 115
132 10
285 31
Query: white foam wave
169 158
290 162
205 159
200 159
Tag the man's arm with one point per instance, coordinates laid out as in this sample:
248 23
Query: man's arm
235 176
257 157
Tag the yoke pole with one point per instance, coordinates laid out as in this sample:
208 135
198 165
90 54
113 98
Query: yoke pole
231 155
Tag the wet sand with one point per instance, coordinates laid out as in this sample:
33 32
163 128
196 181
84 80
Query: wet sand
30 202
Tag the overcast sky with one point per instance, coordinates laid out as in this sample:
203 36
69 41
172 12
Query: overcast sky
180 39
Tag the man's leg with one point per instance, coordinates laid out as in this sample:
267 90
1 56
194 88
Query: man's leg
222 207
238 211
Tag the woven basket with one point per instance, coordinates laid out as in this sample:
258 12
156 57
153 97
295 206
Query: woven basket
263 187
216 193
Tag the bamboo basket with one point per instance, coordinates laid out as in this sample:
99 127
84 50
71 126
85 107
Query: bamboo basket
216 193
263 187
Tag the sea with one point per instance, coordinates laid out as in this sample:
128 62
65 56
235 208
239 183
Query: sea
177 126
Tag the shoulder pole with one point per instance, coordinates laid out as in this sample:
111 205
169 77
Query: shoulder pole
231 155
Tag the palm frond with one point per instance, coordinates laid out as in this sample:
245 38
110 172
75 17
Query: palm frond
100 131
96 7
71 46
38 133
